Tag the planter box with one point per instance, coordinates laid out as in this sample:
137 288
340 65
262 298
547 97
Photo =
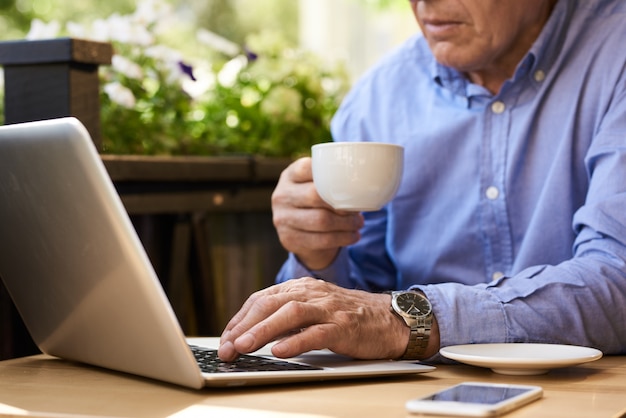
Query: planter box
168 184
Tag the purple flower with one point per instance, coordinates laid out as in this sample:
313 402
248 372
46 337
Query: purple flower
250 54
186 69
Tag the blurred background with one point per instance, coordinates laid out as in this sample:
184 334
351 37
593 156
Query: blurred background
218 77
220 83
356 31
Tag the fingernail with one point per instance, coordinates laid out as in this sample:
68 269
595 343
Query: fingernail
245 343
280 349
226 351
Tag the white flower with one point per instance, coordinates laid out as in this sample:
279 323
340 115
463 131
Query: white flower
41 30
151 11
135 29
99 31
217 42
76 30
227 76
115 28
163 53
120 94
127 67
124 29
168 60
205 81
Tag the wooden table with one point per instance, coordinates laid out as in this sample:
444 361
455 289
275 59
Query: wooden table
42 386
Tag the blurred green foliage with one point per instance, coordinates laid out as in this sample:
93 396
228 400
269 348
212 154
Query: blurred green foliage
16 15
385 4
277 104
232 19
247 90
177 88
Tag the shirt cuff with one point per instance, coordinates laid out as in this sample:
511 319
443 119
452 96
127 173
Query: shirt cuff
469 314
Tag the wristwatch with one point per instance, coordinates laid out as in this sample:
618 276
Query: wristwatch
417 312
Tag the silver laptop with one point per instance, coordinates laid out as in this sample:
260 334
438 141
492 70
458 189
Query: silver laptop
78 274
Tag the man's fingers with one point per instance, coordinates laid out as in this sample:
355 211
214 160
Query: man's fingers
315 337
289 319
256 323
300 171
307 314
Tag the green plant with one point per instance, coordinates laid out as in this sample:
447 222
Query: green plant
385 4
266 97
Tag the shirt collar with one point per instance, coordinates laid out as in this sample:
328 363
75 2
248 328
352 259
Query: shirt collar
541 55
549 44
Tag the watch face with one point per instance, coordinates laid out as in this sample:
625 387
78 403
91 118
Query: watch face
413 304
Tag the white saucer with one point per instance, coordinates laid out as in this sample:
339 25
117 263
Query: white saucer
521 358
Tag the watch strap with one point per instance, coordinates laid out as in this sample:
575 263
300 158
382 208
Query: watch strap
418 340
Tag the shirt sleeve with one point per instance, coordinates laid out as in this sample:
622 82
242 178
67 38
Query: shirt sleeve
338 272
579 301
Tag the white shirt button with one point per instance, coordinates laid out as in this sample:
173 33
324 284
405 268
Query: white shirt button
497 275
540 76
498 107
492 193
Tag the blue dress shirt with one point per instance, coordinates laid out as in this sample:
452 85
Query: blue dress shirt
511 215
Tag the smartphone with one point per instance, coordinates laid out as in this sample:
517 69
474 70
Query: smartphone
475 399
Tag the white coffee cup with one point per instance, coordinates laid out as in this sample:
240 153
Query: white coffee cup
357 176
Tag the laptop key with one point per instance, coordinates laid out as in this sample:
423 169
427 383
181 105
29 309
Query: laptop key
209 362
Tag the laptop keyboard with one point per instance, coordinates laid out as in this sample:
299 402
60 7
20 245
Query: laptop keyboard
209 362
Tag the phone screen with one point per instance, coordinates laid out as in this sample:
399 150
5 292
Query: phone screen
469 393
475 399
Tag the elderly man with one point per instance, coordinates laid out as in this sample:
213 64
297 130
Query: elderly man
510 222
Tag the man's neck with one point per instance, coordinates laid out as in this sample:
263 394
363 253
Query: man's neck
494 76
